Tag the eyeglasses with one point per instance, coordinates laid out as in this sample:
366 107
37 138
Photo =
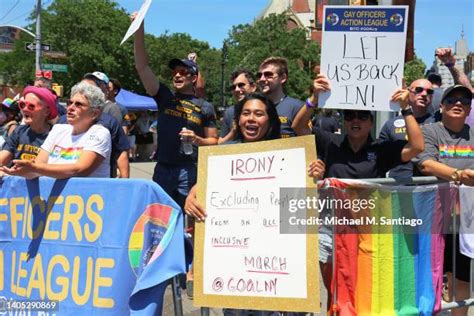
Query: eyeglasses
352 115
418 90
266 75
76 104
181 72
240 85
453 100
22 104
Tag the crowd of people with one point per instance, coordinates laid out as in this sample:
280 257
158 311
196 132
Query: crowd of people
93 136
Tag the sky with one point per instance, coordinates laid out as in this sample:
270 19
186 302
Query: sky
438 23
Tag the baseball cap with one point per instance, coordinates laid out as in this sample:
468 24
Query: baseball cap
46 96
457 87
191 65
97 75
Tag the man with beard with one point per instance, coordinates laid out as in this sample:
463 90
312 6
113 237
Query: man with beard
243 84
181 115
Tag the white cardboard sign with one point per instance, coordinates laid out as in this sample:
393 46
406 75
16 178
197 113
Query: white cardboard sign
362 54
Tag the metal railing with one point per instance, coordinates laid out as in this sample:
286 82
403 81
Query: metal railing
205 311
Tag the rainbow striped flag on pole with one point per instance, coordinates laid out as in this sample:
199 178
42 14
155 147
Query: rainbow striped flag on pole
392 270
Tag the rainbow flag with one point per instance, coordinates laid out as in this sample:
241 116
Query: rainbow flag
392 269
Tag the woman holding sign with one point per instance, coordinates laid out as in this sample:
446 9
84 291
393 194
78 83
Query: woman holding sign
358 156
257 120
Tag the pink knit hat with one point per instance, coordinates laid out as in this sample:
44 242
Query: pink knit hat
46 96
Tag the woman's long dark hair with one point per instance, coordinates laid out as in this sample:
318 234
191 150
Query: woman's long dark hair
273 119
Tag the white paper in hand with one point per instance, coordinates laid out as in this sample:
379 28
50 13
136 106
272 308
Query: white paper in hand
138 20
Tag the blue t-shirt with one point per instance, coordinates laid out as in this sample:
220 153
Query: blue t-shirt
176 111
395 129
287 109
227 121
24 143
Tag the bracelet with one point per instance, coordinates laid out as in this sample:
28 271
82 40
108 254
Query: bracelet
407 111
456 176
309 104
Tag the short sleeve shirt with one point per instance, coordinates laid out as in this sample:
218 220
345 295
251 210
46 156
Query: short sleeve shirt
227 121
65 148
395 129
287 109
176 111
24 143
448 147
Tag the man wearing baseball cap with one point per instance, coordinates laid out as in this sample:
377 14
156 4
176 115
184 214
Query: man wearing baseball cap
101 80
449 155
180 115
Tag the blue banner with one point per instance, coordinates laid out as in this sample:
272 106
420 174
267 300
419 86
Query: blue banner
364 20
96 246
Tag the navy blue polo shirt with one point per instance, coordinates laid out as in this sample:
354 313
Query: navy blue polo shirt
176 111
395 129
373 160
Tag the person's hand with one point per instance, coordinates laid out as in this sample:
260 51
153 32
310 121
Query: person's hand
133 16
192 207
445 55
401 96
22 168
317 169
189 135
467 177
193 57
320 84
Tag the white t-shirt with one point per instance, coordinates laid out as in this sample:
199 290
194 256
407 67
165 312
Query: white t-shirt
65 148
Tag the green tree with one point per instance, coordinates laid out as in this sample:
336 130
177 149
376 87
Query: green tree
414 69
250 44
90 32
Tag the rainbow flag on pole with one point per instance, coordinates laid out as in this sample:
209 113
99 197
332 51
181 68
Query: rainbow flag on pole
392 272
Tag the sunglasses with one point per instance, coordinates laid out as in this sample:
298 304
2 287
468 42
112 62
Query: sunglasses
266 75
22 104
453 100
352 115
418 90
76 104
240 85
181 72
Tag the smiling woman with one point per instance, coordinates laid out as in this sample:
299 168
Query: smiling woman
79 148
37 106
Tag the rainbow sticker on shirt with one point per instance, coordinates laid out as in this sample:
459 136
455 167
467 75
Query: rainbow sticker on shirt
148 238
456 151
71 154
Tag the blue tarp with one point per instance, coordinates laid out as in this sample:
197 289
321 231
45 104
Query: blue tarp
135 102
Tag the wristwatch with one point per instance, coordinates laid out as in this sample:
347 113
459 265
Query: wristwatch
407 111
456 176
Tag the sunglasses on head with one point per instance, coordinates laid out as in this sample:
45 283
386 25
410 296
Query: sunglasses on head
240 85
418 90
352 115
22 104
453 100
266 74
76 104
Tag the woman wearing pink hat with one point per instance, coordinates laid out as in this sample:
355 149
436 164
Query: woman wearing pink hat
37 106
80 148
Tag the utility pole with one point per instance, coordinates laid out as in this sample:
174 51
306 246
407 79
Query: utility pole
223 62
38 35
